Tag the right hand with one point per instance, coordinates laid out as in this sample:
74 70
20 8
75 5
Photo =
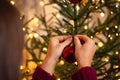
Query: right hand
84 52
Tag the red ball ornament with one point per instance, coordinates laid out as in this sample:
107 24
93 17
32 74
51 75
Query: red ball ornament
75 1
69 54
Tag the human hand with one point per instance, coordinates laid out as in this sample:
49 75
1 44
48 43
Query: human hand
84 52
55 48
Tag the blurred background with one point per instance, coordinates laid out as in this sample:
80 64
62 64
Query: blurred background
99 19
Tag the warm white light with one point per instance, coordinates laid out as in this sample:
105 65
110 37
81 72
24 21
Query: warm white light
44 49
91 37
58 15
61 62
58 79
106 59
115 66
78 8
22 67
111 38
42 3
23 29
102 14
85 27
36 35
107 28
100 44
117 34
116 27
12 2
116 52
30 36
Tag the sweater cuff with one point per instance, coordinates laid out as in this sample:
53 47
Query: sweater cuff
41 74
86 73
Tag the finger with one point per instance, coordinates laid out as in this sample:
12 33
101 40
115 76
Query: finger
77 41
62 38
83 38
67 42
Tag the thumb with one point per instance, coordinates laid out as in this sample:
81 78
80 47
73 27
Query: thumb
66 42
77 41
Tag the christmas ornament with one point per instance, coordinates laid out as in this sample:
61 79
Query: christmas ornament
69 54
75 1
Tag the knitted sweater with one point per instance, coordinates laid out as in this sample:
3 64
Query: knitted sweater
86 73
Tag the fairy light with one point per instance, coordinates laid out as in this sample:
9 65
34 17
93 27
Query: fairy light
117 34
61 62
111 12
102 14
91 37
36 35
109 35
85 27
24 29
30 36
111 38
42 3
65 31
58 79
22 67
75 63
116 27
12 2
100 44
107 28
78 8
44 49
106 59
58 15
115 66
116 52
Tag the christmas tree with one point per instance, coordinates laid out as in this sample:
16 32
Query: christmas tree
99 19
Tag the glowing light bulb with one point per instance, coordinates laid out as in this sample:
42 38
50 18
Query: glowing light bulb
36 35
30 36
58 15
22 67
78 8
115 66
12 2
42 3
58 79
44 49
106 59
107 28
117 34
61 62
100 44
102 14
91 37
23 29
116 27
85 27
116 52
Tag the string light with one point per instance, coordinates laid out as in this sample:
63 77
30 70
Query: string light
107 28
58 15
42 3
117 34
78 8
24 29
102 14
36 35
65 31
61 62
85 27
12 2
30 36
111 38
100 44
116 52
115 66
106 59
45 49
116 27
58 79
22 67
91 37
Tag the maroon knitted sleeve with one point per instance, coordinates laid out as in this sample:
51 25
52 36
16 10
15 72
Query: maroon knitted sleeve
86 73
40 74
